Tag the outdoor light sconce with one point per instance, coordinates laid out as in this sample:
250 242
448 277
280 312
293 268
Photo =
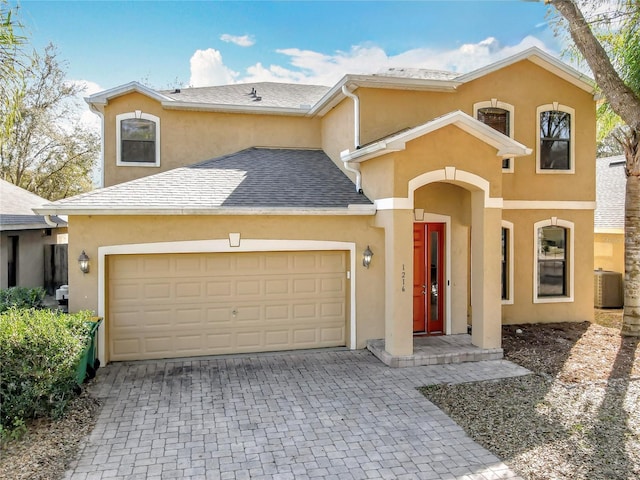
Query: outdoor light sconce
366 257
83 262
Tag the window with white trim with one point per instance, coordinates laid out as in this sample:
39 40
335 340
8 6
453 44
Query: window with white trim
506 251
499 116
556 145
138 139
553 264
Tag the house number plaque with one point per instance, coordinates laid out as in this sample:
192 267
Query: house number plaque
404 274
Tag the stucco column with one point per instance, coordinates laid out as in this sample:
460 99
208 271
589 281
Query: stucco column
398 234
486 260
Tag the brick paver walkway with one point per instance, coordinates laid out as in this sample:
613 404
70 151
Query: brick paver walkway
330 414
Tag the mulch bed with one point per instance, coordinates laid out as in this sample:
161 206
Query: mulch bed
576 417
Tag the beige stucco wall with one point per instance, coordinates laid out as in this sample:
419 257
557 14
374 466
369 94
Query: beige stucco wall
524 310
608 252
386 111
90 232
30 256
188 137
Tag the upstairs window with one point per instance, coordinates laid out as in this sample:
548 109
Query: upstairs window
555 135
499 116
138 139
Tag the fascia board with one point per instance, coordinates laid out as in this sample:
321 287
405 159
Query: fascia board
102 98
354 210
213 107
26 226
540 58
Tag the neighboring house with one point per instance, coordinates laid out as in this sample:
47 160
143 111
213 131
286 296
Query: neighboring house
235 218
30 243
609 215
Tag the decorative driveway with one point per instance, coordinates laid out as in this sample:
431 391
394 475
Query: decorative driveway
326 414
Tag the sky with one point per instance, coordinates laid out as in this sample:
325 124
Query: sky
168 44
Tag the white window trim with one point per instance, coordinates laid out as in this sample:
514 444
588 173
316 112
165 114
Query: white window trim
144 116
554 221
495 103
555 106
510 265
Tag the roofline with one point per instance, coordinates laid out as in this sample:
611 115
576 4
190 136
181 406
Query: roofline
507 147
354 209
218 107
542 59
353 81
27 226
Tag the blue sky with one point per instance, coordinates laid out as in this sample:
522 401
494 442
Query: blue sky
166 44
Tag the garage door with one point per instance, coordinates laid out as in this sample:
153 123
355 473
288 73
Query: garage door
177 305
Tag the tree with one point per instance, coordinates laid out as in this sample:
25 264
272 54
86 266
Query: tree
46 151
617 74
10 55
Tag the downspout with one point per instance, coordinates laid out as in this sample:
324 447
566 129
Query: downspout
101 115
356 137
48 221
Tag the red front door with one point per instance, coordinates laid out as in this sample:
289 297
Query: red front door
428 278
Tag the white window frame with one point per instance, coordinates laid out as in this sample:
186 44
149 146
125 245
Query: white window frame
555 106
510 263
570 227
140 115
495 103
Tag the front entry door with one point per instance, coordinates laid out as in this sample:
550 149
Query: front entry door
428 278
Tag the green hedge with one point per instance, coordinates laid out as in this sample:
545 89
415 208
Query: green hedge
21 297
39 354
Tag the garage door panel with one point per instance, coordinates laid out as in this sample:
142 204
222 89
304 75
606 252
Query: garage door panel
206 304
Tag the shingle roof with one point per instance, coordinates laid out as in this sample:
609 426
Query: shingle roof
610 192
16 208
418 73
253 179
263 94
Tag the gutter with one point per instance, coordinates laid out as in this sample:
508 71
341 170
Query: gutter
48 221
353 209
356 138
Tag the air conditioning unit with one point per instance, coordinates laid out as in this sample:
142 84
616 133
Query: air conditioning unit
607 289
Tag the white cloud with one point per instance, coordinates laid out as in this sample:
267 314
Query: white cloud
240 40
312 67
207 68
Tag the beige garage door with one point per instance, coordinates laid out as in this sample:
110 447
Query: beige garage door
177 305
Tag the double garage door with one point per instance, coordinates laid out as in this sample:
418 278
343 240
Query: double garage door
178 305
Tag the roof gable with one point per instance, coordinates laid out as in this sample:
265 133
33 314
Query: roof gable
506 147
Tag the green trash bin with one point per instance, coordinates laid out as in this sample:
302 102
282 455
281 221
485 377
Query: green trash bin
88 361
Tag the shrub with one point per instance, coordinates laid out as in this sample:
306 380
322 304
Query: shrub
40 352
21 297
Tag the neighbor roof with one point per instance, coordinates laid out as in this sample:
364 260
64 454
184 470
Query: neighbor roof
16 209
252 181
610 193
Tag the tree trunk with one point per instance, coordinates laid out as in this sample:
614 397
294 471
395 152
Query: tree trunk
631 316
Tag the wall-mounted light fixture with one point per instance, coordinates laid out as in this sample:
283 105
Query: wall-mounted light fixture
366 257
83 262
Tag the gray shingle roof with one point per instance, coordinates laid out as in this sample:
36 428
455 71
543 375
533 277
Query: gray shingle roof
610 192
417 73
15 208
267 94
256 178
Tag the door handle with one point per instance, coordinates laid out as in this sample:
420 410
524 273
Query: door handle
424 289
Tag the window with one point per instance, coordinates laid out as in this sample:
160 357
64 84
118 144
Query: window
499 116
506 248
555 134
553 261
138 139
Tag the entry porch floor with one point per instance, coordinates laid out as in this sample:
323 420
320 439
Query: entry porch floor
435 351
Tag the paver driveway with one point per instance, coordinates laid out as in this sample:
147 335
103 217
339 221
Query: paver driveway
323 414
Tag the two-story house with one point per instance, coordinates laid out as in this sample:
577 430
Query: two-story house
261 217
